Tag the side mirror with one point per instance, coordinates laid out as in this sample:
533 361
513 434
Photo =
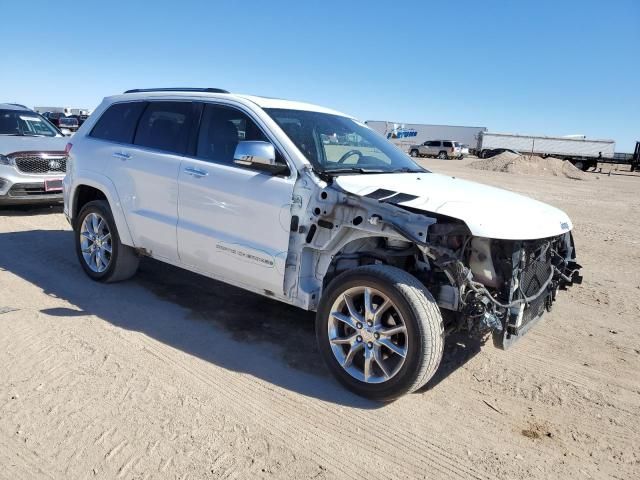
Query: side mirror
257 154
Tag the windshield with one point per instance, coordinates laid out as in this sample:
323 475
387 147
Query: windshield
336 144
69 121
25 123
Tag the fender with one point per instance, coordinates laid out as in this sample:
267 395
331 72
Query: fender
106 186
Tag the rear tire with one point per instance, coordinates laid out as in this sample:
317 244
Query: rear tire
102 256
414 153
411 312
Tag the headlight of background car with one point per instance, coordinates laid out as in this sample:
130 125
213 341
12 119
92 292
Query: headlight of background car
4 160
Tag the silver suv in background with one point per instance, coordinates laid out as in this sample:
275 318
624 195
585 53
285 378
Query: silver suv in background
437 148
33 161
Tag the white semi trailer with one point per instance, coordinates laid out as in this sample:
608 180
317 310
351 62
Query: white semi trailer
404 135
584 153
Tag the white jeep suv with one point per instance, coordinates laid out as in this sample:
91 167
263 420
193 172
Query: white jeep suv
311 207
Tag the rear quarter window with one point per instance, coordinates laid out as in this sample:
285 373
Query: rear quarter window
118 122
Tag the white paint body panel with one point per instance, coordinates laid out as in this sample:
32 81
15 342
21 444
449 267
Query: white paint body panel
488 211
147 185
234 222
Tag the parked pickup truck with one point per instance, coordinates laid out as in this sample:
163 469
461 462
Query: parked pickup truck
438 149
247 190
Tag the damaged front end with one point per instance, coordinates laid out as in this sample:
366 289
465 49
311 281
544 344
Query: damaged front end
505 286
481 284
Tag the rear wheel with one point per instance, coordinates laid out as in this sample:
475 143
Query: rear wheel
102 256
380 332
443 155
580 165
414 153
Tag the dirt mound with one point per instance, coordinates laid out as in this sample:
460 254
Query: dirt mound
530 165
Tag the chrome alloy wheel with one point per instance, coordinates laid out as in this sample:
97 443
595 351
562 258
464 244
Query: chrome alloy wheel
367 334
95 242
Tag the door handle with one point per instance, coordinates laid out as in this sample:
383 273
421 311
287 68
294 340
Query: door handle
121 155
196 172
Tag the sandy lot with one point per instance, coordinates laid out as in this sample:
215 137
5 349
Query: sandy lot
172 375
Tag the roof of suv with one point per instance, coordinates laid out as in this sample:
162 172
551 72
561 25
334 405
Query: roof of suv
262 102
13 106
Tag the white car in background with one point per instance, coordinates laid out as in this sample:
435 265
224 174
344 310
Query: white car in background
32 157
248 190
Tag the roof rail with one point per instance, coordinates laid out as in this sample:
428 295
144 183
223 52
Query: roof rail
19 105
204 90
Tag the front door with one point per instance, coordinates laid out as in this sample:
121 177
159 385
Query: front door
233 222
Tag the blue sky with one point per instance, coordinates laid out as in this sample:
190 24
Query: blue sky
542 67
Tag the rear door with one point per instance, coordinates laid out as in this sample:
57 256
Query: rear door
234 222
145 174
433 147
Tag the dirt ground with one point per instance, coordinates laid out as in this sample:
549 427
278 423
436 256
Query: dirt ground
172 375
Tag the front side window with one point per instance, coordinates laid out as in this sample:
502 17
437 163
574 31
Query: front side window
25 123
165 126
118 122
337 144
447 144
221 128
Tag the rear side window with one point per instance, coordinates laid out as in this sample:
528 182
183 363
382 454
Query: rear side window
165 126
118 122
447 144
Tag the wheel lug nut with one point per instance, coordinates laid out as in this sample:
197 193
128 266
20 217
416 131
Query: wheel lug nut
370 323
369 345
359 325
377 335
358 338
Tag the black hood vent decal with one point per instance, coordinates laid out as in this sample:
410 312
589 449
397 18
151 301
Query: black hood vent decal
389 196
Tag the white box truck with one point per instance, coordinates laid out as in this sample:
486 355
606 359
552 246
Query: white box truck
404 135
584 153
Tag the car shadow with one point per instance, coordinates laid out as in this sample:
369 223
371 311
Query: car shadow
29 210
227 326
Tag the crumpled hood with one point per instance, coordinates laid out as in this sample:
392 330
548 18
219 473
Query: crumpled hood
488 211
10 144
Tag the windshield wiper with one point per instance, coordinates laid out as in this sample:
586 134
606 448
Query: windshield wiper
408 170
338 171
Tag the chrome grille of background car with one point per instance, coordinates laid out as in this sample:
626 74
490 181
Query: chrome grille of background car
41 163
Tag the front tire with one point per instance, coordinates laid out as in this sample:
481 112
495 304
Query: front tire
102 256
443 156
380 332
